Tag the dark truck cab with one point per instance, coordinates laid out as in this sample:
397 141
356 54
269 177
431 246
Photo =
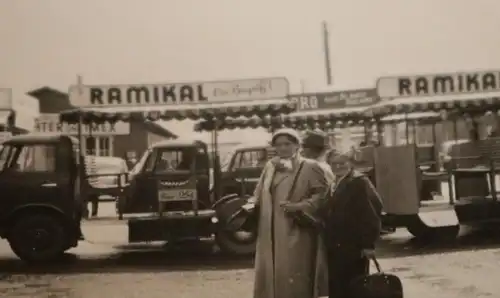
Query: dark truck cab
244 169
176 192
40 205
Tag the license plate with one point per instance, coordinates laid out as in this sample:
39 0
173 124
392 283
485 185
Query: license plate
167 195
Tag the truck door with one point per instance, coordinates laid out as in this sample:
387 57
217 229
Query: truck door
245 170
164 165
31 177
142 195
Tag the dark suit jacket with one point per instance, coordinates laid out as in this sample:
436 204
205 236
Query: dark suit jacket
352 214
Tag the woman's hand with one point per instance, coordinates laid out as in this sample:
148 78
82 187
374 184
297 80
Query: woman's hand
368 253
289 207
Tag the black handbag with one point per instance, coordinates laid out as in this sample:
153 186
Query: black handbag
301 218
377 285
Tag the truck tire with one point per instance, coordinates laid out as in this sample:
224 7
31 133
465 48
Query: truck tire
38 238
237 243
234 242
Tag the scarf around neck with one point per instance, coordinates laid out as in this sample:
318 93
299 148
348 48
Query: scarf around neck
285 164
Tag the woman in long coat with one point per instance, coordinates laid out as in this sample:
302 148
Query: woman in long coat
287 256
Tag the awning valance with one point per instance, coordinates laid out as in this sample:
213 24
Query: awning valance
419 117
323 119
463 103
220 111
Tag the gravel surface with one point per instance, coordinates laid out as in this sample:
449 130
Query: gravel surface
109 268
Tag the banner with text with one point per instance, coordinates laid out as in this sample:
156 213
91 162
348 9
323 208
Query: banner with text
439 84
49 123
177 93
335 99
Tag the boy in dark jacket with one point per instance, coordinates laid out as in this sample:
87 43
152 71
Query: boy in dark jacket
352 224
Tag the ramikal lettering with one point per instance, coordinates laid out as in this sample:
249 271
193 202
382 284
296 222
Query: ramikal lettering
178 94
439 84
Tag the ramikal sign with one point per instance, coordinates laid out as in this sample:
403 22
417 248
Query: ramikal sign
49 123
177 93
439 84
335 100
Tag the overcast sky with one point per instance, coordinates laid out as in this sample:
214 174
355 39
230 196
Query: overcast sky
49 42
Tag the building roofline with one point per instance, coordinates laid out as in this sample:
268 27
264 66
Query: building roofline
159 129
149 125
37 93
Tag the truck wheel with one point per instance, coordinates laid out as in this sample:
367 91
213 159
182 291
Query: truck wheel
37 238
235 242
238 243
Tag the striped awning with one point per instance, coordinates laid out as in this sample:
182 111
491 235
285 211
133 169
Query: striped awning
462 103
219 111
419 117
323 119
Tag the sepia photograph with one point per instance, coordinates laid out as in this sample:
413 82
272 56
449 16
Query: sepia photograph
260 149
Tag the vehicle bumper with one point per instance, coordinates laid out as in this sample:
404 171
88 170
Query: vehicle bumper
172 225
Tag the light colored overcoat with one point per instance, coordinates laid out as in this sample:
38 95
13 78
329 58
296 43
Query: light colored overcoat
289 261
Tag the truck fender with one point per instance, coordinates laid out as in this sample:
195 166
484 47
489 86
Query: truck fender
10 218
229 207
223 200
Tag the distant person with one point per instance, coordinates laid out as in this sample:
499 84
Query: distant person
186 161
163 165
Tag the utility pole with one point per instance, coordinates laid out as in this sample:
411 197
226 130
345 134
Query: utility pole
303 86
326 52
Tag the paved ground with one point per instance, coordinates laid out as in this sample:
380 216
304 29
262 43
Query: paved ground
109 268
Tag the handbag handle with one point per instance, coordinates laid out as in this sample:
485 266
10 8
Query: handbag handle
377 264
295 180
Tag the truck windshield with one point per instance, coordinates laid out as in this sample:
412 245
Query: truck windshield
140 164
174 159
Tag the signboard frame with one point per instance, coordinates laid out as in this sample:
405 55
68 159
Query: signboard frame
439 84
333 100
187 93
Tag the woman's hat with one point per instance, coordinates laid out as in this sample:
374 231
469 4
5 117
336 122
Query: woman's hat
293 134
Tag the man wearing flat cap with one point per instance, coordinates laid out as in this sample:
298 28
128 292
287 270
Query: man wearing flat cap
314 146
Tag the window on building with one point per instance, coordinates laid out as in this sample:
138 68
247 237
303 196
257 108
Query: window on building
425 134
104 146
99 146
90 146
